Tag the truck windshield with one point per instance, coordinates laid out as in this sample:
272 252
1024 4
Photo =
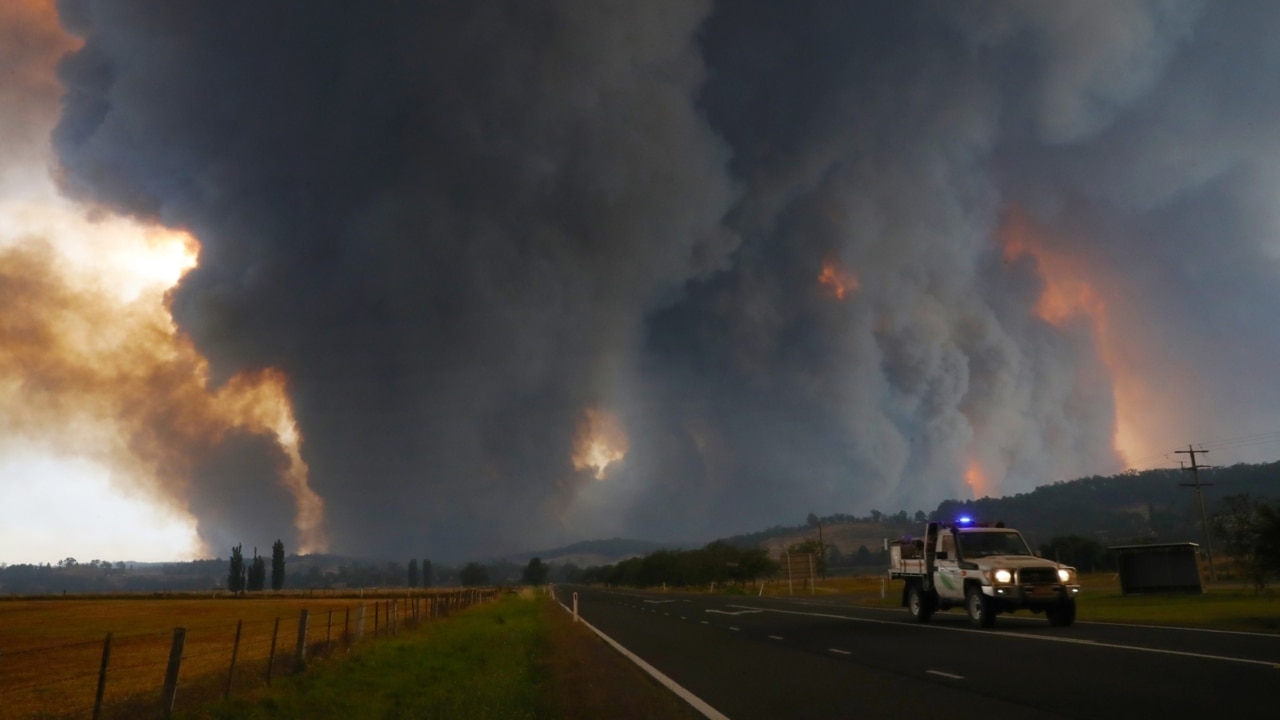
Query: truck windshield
983 544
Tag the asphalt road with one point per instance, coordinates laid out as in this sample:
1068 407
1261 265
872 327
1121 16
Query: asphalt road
780 658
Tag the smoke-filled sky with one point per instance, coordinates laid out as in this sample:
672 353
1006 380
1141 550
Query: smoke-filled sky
476 278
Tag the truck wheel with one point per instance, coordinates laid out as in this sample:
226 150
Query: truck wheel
979 607
919 605
1062 614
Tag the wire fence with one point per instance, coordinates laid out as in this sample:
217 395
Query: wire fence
153 674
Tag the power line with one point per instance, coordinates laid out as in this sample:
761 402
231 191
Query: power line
1237 442
1195 483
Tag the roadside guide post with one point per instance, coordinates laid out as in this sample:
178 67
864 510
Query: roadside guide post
575 607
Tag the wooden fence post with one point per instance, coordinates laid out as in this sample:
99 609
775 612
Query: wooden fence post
300 652
170 692
790 587
235 650
377 612
328 631
271 656
360 623
102 677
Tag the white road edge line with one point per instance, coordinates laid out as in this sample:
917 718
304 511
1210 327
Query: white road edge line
1045 638
1187 629
948 675
775 637
838 651
698 703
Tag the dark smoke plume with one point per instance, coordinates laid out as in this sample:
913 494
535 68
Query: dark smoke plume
466 232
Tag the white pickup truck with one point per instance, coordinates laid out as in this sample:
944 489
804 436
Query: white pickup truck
987 569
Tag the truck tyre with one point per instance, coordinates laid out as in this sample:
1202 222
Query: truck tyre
919 603
979 607
1062 614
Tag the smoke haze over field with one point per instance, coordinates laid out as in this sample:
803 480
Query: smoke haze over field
538 272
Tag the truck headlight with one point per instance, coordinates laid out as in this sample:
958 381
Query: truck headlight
1064 575
1003 576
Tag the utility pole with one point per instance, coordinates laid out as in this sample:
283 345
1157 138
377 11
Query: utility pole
1195 483
822 549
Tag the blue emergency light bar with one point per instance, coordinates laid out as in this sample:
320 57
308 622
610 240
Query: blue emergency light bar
967 521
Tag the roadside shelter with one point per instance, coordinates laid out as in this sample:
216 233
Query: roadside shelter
1159 568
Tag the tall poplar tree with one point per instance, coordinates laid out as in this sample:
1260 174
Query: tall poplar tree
235 577
277 565
257 572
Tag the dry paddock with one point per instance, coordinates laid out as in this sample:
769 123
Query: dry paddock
52 650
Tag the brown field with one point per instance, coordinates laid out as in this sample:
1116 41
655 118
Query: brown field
51 650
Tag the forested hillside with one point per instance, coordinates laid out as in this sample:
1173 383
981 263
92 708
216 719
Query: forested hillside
1132 507
1129 508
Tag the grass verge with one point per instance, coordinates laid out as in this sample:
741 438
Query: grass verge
481 663
1219 608
519 657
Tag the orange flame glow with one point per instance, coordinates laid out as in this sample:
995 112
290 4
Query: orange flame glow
600 442
839 282
977 481
1068 295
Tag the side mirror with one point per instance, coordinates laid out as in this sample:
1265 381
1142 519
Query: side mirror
942 555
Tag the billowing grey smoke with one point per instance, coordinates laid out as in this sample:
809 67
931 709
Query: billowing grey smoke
458 227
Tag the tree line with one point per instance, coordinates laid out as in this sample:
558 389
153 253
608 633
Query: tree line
719 562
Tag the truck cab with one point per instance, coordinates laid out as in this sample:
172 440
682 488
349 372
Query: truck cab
987 569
